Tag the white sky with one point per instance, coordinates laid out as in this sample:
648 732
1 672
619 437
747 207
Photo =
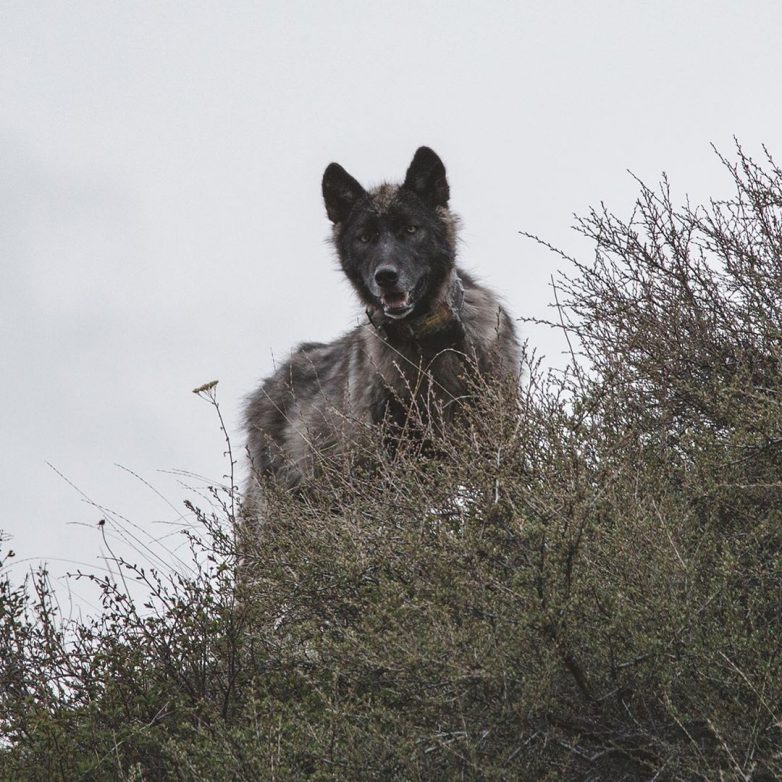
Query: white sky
161 223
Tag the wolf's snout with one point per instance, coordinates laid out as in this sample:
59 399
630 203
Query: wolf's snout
386 276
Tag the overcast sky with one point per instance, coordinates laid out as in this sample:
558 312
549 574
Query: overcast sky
161 223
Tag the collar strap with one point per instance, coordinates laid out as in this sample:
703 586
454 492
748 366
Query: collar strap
446 313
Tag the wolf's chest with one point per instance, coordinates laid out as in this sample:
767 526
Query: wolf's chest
412 382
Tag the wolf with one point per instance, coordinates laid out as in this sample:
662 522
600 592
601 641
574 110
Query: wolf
430 327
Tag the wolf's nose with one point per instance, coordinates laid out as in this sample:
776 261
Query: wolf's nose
386 276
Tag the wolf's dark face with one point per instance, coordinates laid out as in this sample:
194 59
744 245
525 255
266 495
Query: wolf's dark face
395 243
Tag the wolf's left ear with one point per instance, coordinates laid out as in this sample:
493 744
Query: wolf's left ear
426 178
340 192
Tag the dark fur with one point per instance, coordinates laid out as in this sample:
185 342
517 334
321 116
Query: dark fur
428 324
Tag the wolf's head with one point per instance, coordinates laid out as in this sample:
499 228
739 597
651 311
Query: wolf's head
396 243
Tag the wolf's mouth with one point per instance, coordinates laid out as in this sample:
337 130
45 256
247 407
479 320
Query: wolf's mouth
397 304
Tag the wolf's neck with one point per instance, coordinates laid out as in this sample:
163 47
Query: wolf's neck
443 316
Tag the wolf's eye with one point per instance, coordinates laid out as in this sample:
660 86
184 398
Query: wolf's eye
365 237
411 229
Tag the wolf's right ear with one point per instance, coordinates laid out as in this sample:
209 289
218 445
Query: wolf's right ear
340 192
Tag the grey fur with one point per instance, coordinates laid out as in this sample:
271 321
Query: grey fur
321 401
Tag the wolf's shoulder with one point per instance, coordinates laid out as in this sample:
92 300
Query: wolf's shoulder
321 360
478 295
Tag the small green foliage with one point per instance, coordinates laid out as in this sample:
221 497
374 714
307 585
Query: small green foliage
580 580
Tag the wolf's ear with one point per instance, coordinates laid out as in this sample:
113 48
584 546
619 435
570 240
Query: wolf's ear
426 178
340 192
